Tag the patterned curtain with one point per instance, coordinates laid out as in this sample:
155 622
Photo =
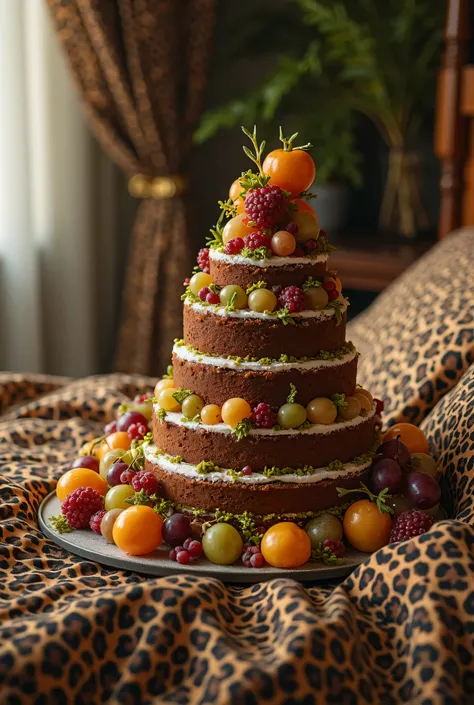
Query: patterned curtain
140 68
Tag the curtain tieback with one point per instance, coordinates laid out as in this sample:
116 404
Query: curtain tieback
158 187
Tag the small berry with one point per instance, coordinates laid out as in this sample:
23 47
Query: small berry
266 206
110 428
172 554
261 529
213 298
127 476
194 548
183 557
96 520
257 239
143 398
234 246
336 547
311 245
333 294
379 406
246 547
263 416
256 560
203 260
80 505
299 252
145 481
186 281
246 470
204 292
292 228
329 284
410 524
292 298
254 549
137 431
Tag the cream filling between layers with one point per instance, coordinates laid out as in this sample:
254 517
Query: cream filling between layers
247 313
189 471
265 263
182 352
176 418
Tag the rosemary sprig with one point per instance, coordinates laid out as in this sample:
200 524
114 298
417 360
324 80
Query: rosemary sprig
292 395
256 155
379 499
284 316
242 429
288 142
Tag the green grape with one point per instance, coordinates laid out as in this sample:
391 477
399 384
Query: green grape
308 226
227 293
108 460
107 524
116 496
351 410
146 408
291 415
316 298
199 281
422 462
325 526
321 410
222 544
191 406
262 300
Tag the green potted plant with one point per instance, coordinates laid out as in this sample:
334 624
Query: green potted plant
377 58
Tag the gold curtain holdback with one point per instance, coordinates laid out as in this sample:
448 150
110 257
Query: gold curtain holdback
158 187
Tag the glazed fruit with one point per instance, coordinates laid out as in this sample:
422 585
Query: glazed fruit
116 441
291 415
293 170
315 298
137 530
363 392
198 281
285 545
321 410
192 406
396 450
283 243
114 473
80 505
163 384
262 300
166 400
422 462
116 496
227 294
79 477
265 206
222 544
308 226
263 416
86 461
412 436
386 473
351 410
145 408
364 401
176 529
423 490
111 427
257 239
410 524
322 527
137 431
108 459
234 411
235 227
107 524
211 414
235 191
366 527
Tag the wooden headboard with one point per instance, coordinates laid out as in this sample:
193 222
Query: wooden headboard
454 134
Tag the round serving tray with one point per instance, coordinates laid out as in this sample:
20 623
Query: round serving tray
86 544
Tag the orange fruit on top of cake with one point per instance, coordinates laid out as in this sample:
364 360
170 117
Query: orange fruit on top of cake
290 168
412 436
79 477
285 545
137 530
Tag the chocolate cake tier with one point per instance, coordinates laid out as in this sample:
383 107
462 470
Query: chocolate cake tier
225 272
226 335
196 442
277 497
216 384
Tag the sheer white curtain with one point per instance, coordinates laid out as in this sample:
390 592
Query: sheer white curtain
60 244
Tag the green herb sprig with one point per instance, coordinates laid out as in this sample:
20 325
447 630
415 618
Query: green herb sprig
379 499
255 286
292 395
242 429
60 524
311 283
181 394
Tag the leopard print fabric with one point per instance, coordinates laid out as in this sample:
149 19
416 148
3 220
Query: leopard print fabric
417 338
398 630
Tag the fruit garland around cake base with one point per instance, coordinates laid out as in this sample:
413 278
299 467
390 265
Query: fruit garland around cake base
108 491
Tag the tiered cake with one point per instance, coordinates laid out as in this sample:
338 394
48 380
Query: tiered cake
262 416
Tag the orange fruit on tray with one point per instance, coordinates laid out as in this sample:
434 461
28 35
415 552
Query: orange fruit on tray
79 477
137 530
412 436
366 527
293 170
119 439
285 545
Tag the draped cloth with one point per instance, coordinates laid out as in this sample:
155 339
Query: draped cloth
140 68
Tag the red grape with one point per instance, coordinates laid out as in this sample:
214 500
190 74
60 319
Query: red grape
396 450
423 490
386 473
130 417
176 529
87 461
114 473
183 557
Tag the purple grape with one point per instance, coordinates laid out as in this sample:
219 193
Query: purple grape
130 417
396 450
386 473
87 461
176 529
114 473
423 490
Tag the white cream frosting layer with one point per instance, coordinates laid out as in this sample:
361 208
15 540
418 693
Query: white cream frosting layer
183 353
175 418
266 263
190 472
247 313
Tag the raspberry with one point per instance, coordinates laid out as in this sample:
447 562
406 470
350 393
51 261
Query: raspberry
110 428
127 476
266 206
410 524
263 416
137 431
80 505
213 298
246 470
292 228
145 481
203 260
234 246
336 547
95 521
292 298
257 239
204 292
311 245
299 252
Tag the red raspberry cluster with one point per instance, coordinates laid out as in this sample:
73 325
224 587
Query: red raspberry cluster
96 520
257 239
146 481
263 416
266 206
203 260
234 246
410 524
336 547
80 505
292 298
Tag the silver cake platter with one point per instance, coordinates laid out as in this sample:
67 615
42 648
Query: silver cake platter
87 544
